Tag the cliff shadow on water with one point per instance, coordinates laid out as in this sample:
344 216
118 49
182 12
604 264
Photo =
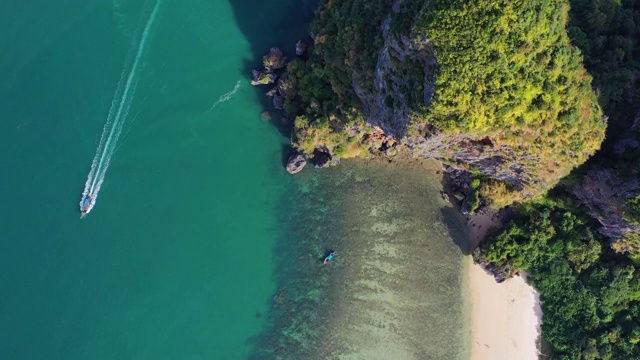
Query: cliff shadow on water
267 24
453 220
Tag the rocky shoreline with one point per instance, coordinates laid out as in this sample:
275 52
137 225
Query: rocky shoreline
273 73
456 181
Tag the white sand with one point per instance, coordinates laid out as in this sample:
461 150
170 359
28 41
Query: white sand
506 317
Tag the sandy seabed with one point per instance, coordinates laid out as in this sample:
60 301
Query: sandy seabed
402 285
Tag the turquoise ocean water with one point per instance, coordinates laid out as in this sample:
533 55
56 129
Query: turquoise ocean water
176 258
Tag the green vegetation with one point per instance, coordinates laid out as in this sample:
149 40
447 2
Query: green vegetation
347 40
590 291
507 69
630 243
590 294
607 33
632 210
499 193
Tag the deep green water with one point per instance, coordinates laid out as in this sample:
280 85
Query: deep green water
176 258
200 245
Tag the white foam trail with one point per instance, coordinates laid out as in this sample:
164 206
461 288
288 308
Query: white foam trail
117 114
119 16
226 96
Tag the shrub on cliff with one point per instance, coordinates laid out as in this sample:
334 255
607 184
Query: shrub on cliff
499 193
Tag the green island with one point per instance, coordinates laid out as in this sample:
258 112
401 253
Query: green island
536 101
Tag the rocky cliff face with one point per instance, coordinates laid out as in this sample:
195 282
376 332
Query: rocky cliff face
404 66
404 82
494 160
605 191
604 194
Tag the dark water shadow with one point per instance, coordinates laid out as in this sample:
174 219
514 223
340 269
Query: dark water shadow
286 152
457 228
267 24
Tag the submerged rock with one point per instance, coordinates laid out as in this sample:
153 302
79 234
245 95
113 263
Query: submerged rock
296 163
278 101
301 48
287 118
271 93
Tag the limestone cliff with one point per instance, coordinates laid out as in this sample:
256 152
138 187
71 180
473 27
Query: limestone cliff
495 88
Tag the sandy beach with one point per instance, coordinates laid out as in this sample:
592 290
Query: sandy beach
506 317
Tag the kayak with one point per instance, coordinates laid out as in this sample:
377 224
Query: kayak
329 257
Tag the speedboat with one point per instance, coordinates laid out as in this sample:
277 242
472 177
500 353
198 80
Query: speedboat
86 204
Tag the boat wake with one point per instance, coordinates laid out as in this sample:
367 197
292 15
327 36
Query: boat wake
117 115
226 96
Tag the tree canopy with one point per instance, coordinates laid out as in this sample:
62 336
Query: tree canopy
507 69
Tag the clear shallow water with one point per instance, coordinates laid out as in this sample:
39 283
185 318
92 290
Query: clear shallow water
396 287
200 244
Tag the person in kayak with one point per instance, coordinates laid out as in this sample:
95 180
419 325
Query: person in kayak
329 257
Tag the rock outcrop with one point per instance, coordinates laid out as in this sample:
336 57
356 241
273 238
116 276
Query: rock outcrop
274 60
261 77
500 273
604 193
395 80
458 181
388 105
284 88
498 161
296 163
323 158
